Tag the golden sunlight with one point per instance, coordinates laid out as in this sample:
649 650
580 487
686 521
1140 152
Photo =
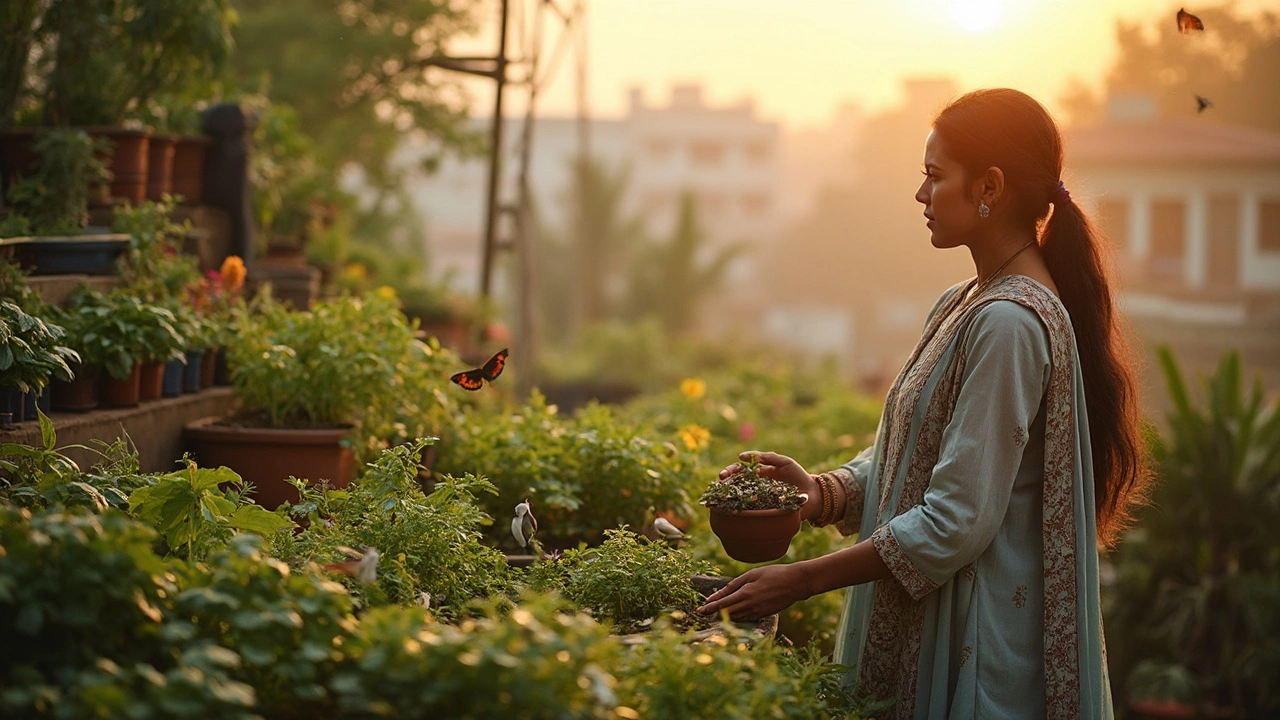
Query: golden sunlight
977 16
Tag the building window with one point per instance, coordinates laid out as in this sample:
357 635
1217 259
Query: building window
1269 225
1168 238
1113 220
757 152
1224 240
706 153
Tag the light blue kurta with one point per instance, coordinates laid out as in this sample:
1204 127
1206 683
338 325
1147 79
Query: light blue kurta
962 632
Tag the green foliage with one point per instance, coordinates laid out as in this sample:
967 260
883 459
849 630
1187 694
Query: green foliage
31 351
626 578
669 677
427 543
115 330
55 199
584 473
746 490
18 20
535 662
322 367
195 514
155 268
1197 577
103 59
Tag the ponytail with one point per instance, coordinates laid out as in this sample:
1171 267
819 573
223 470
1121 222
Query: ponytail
1071 251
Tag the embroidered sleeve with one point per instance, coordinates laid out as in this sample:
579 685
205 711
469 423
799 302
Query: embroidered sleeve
1004 377
854 476
913 581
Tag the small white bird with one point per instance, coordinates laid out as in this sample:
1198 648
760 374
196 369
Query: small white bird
364 570
669 532
524 524
424 599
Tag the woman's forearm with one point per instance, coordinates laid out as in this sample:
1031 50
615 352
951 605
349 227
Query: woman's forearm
844 568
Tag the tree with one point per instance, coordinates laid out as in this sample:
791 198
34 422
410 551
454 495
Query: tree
1234 62
671 281
359 73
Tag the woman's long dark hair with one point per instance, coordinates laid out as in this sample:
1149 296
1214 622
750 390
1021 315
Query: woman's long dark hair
1008 129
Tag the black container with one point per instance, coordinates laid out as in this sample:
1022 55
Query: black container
72 255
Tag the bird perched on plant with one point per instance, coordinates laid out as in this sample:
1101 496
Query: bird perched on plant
669 532
364 569
524 524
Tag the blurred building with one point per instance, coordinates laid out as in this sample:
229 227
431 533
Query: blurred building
1192 208
726 155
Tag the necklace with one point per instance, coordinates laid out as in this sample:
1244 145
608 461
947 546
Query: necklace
982 286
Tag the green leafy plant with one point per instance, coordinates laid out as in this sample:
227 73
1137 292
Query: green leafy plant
321 368
1197 578
31 351
427 543
584 473
55 198
746 490
195 514
155 268
115 330
627 578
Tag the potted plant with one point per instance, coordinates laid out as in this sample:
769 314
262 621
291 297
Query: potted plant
306 381
31 353
53 201
111 331
1193 614
754 517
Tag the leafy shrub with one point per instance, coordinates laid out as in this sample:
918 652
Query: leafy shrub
584 474
626 578
427 543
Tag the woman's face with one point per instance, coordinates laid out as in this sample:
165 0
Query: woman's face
952 214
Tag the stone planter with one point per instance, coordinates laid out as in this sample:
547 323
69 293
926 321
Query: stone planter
266 456
755 536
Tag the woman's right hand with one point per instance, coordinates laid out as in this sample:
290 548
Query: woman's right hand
784 469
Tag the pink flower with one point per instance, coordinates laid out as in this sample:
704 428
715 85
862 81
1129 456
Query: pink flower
746 432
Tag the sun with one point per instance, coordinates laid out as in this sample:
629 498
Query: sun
977 16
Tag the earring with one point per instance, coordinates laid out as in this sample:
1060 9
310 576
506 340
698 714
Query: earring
983 210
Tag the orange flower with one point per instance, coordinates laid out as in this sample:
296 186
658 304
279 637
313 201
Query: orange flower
232 273
695 437
693 388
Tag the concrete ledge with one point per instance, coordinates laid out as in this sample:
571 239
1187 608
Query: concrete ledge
155 428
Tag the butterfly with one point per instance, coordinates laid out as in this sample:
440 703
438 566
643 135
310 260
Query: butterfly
474 379
1188 22
1202 103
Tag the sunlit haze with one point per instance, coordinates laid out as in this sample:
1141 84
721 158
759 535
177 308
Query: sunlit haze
800 60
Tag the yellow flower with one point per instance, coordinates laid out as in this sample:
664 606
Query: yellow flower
695 437
232 273
386 292
693 388
355 271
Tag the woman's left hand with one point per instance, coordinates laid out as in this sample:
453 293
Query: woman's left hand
760 592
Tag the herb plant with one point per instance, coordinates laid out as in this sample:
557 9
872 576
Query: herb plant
627 578
746 490
55 198
31 350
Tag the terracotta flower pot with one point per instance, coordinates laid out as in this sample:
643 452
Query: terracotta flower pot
160 165
122 392
755 536
208 368
266 456
188 168
81 393
127 160
151 380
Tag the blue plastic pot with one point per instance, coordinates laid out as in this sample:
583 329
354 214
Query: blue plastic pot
191 374
171 386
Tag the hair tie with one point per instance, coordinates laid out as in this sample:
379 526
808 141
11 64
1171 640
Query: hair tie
1060 193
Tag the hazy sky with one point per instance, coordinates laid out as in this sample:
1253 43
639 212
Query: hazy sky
800 59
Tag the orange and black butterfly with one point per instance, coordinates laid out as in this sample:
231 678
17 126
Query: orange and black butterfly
475 379
1188 22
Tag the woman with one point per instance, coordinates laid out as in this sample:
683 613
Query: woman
1008 452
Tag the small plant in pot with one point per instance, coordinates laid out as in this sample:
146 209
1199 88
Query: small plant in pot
31 353
754 517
